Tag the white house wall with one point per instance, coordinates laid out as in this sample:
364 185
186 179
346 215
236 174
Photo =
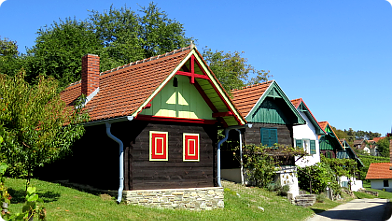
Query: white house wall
379 185
307 131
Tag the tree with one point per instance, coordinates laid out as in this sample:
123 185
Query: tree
383 146
10 60
59 49
118 36
340 133
36 125
232 69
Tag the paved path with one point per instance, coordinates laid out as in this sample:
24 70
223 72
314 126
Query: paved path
358 209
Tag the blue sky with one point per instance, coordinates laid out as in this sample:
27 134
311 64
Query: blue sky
336 55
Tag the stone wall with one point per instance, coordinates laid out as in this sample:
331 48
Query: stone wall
190 199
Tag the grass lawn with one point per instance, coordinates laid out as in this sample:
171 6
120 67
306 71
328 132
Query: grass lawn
381 194
64 203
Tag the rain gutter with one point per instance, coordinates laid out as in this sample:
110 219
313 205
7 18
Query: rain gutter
108 124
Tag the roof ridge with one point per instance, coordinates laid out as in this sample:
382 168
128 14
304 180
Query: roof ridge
253 85
148 59
74 83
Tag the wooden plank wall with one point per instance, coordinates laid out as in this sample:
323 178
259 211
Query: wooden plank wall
285 133
95 158
174 173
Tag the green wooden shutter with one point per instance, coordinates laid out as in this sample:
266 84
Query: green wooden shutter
312 147
298 143
328 154
269 136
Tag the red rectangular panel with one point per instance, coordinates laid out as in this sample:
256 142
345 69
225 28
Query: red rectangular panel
191 147
158 146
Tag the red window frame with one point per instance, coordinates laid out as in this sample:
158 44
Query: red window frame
191 147
158 145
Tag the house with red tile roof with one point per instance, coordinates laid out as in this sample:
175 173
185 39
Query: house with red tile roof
306 135
367 146
380 176
273 117
153 125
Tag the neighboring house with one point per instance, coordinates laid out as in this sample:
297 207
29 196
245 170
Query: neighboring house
362 145
163 114
273 117
329 143
307 135
349 153
332 147
380 176
368 146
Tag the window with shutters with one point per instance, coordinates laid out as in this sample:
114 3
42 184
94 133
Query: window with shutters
269 136
312 147
308 145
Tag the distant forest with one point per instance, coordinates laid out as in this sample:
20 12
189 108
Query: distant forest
350 135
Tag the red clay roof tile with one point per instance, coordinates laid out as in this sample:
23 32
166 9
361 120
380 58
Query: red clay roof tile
246 98
379 171
133 84
123 90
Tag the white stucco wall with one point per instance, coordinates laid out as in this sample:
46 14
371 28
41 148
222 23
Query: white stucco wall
355 184
288 176
307 131
379 185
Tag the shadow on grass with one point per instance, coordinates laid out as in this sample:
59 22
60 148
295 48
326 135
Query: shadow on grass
318 210
18 196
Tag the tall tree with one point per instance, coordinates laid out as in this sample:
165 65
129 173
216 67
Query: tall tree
232 70
118 36
59 49
158 33
32 120
383 146
10 60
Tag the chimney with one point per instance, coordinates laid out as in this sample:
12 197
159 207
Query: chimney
90 73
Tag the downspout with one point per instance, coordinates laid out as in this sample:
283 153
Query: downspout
218 161
241 161
121 160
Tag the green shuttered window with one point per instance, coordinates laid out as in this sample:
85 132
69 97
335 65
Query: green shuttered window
269 136
298 143
308 145
312 147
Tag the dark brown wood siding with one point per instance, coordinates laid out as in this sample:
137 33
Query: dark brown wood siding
285 133
174 173
95 158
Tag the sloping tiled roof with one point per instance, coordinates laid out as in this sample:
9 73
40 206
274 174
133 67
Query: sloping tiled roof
376 139
323 125
133 84
246 98
379 171
124 90
296 102
358 142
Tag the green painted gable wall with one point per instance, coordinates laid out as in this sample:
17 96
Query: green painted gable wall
183 101
274 107
329 141
268 112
